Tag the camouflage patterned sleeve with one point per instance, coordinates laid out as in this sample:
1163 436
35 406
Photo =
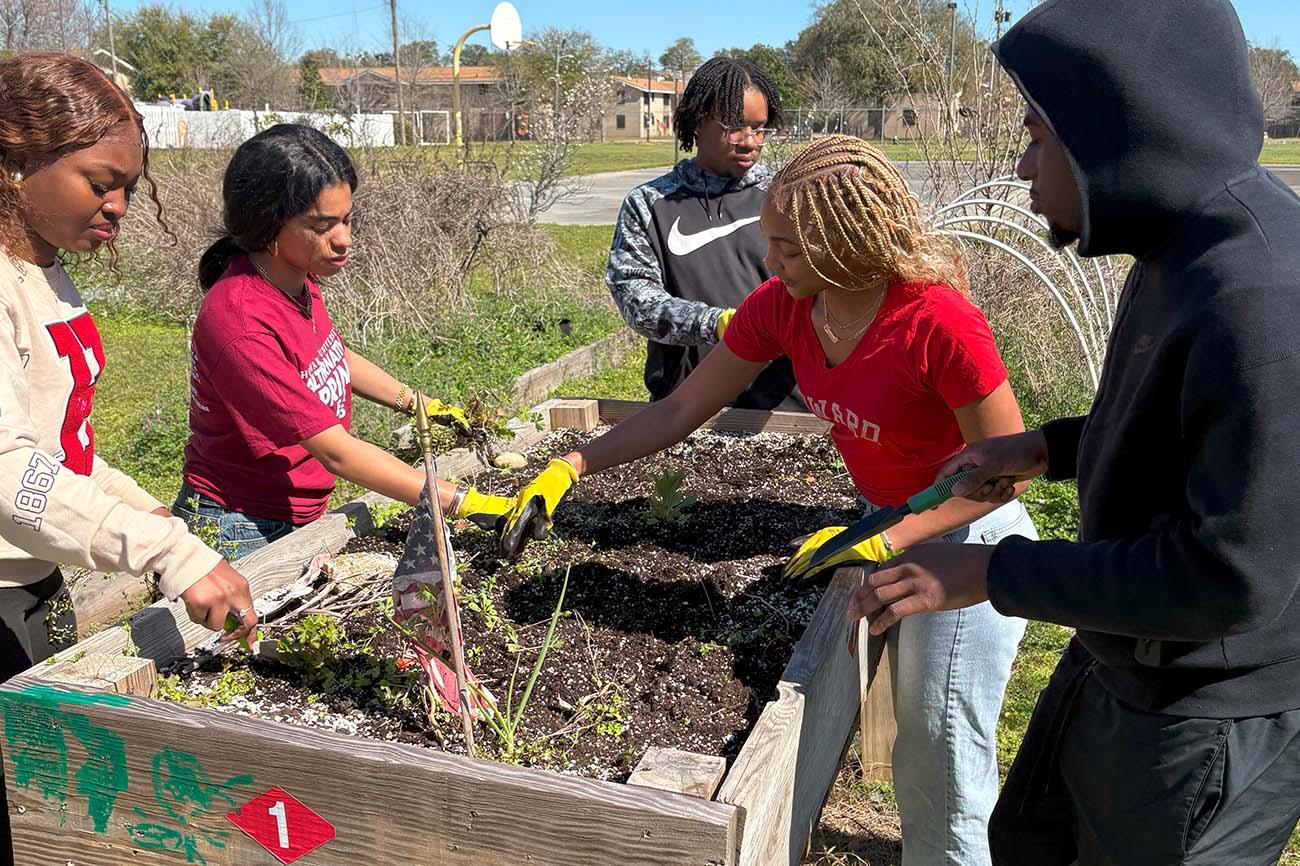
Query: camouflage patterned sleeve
635 279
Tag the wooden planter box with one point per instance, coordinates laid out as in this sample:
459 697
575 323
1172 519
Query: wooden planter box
99 774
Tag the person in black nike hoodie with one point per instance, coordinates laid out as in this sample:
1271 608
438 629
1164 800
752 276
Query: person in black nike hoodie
1170 731
687 248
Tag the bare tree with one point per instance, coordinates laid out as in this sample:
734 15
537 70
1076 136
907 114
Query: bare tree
258 73
418 52
823 94
47 25
545 167
978 136
1274 74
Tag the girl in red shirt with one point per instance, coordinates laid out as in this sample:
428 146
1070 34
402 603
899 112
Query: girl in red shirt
870 306
272 381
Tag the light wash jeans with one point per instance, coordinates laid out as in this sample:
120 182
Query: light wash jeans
234 533
950 672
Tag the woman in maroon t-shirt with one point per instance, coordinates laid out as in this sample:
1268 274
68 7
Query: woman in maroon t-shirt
272 382
869 304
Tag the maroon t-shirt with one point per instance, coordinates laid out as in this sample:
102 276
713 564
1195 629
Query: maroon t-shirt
264 377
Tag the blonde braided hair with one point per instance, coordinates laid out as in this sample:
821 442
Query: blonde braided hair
856 221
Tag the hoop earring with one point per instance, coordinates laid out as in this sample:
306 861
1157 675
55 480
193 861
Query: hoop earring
17 178
274 248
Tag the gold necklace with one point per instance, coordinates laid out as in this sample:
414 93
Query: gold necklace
834 320
306 308
870 317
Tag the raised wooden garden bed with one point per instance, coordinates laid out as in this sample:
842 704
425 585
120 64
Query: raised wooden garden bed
98 772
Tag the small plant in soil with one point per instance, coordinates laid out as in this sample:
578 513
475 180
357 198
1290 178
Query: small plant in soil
670 504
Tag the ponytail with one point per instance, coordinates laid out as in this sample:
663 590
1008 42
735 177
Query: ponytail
218 257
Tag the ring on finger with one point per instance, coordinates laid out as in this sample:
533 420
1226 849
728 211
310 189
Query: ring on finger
243 613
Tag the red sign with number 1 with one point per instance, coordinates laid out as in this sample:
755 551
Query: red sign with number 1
282 825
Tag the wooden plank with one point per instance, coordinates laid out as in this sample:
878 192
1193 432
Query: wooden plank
789 762
877 726
112 780
123 675
100 599
571 414
731 420
687 773
538 383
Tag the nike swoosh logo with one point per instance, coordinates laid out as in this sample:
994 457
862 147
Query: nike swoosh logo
683 245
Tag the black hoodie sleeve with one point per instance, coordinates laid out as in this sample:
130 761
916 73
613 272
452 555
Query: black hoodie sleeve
1228 564
1062 437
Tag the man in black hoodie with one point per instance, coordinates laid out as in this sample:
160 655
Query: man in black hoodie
1170 731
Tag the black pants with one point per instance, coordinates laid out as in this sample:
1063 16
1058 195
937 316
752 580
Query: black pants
1100 783
33 618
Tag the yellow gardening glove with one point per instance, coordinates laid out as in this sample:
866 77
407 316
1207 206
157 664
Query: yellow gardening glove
533 510
446 415
723 321
485 511
800 570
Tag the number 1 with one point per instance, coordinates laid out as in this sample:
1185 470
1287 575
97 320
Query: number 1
280 824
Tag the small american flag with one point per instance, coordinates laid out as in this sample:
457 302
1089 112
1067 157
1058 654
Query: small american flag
419 606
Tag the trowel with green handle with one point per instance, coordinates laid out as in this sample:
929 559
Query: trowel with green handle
878 521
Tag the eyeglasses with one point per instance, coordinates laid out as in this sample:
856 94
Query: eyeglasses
737 134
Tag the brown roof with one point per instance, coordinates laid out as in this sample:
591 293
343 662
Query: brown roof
658 85
424 75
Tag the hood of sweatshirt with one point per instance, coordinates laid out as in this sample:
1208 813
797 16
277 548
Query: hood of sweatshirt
1155 115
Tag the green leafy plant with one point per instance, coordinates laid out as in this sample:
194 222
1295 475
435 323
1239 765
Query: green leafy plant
480 601
170 689
505 723
230 685
382 514
669 505
609 714
313 643
206 529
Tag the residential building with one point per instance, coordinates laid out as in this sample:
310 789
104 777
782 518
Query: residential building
642 107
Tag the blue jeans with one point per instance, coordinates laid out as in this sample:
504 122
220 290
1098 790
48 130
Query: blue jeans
231 533
950 671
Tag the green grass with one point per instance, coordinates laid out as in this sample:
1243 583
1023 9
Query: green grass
141 401
585 247
1281 151
595 158
624 382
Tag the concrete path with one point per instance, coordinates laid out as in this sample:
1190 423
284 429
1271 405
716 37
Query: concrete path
603 194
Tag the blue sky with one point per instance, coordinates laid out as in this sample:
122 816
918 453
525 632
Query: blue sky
637 24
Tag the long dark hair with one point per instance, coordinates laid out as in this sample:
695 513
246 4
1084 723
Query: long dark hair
274 176
50 105
717 89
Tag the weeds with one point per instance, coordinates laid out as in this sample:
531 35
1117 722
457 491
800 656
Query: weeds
330 661
505 724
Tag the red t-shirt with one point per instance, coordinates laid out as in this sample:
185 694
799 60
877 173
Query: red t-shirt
890 403
263 379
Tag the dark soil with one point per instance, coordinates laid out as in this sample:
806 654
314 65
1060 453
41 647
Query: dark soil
673 634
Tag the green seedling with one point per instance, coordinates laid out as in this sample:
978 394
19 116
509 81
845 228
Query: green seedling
669 505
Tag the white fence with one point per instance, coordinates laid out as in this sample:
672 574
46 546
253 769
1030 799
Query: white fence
174 127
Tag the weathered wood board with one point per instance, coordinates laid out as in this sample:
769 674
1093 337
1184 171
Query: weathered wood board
106 780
